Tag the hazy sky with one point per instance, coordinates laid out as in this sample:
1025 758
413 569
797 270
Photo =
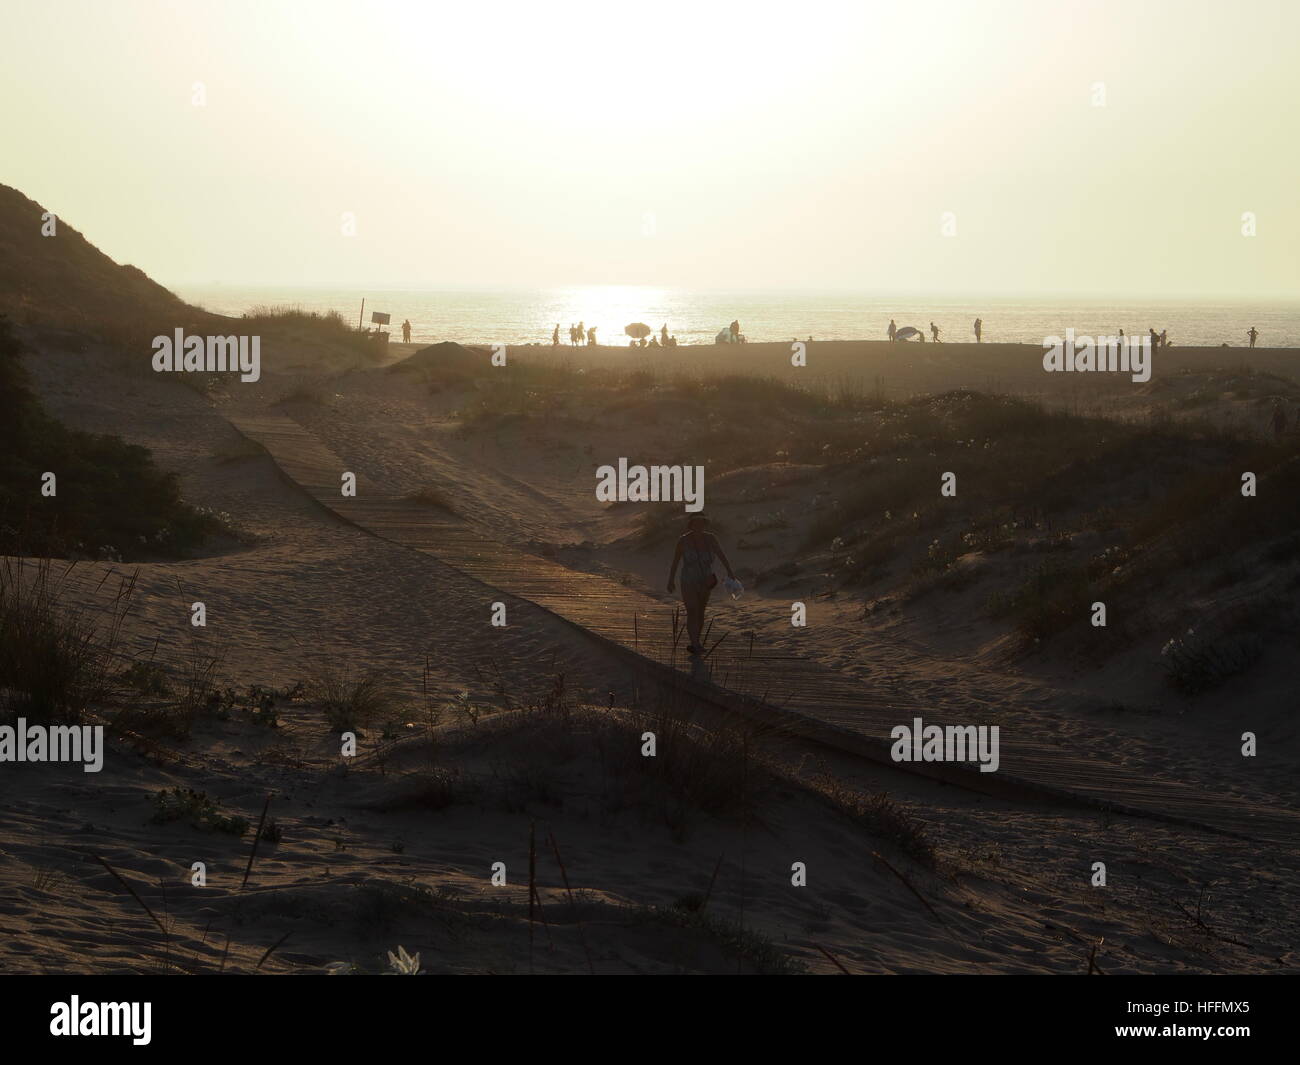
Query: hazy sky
698 144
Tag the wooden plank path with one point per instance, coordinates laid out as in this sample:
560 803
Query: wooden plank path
789 693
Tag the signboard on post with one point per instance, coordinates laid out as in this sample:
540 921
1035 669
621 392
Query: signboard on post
379 317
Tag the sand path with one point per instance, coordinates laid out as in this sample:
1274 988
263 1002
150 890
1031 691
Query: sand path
744 670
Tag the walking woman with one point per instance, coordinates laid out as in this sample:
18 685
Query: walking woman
695 551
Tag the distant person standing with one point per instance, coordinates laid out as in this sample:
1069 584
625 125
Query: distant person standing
934 332
406 332
735 331
573 335
1155 340
1164 338
893 330
663 335
979 329
555 337
1254 335
582 332
591 336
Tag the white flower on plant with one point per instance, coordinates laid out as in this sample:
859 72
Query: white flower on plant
403 964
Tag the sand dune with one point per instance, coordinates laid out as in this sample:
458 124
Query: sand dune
399 846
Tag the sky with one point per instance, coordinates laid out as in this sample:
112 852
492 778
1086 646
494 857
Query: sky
1018 148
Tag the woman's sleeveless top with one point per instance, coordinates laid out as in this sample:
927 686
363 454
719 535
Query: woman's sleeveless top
697 563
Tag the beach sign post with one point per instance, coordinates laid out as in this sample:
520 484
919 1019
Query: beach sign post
381 318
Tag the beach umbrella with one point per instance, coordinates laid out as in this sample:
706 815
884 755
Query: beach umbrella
637 330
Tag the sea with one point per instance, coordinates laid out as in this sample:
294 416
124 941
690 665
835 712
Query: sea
525 316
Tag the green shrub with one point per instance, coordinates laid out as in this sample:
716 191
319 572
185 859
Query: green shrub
111 501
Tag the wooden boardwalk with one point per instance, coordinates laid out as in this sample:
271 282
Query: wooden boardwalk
790 693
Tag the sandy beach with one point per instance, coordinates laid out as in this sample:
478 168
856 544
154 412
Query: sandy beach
399 846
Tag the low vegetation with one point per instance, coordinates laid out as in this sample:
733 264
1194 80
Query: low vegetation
296 324
197 810
351 699
107 499
56 659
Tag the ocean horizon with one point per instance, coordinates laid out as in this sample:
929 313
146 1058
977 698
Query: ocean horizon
526 316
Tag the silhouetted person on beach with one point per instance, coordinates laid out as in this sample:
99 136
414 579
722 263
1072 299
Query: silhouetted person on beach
591 336
664 334
1254 335
979 329
573 335
695 552
555 337
1164 338
582 332
893 330
735 331
654 342
1155 340
406 331
934 332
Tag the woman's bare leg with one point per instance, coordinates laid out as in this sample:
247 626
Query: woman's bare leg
704 609
694 614
697 602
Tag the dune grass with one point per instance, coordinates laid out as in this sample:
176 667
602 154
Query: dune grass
57 660
352 698
329 327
